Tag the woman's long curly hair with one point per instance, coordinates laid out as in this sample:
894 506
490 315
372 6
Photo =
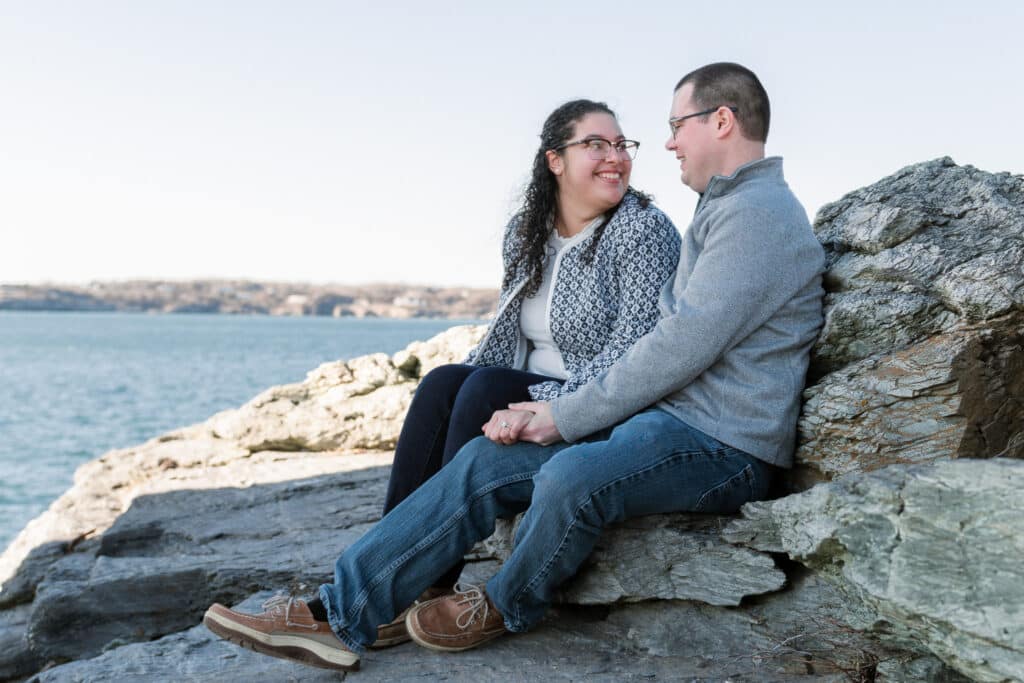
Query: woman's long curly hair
540 199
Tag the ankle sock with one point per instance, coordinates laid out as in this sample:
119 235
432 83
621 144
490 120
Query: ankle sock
317 608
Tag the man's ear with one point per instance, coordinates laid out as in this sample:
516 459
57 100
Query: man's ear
724 120
555 162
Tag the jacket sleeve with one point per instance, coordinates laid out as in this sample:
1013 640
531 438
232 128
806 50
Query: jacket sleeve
509 247
648 254
747 270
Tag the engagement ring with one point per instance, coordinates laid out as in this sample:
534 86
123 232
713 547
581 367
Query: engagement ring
505 425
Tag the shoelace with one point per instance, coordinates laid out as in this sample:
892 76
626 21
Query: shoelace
281 600
475 600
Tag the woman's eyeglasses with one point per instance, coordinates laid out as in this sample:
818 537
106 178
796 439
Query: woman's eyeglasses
598 148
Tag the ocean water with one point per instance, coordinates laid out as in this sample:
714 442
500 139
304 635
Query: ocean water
75 385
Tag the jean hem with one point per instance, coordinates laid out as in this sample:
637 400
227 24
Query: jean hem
510 624
513 627
337 626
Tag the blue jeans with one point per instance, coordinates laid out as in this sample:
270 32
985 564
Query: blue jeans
451 404
651 463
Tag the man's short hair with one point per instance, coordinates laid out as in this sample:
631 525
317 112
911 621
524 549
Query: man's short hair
731 85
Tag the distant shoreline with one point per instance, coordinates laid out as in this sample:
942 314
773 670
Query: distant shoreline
242 297
457 319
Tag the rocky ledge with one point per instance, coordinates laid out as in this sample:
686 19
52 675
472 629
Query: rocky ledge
895 555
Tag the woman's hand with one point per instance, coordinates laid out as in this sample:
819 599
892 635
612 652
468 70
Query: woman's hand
542 428
505 425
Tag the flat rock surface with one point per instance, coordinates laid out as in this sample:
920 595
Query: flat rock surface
17 659
172 554
150 576
788 638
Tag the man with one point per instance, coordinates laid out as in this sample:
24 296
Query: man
725 367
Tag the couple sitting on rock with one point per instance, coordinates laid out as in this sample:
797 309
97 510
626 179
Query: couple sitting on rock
627 372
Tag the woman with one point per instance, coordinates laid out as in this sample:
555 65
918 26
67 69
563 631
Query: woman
585 258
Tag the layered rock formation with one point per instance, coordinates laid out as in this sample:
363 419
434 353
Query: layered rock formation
896 556
933 550
920 357
921 360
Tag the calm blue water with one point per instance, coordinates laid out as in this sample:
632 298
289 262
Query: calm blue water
75 385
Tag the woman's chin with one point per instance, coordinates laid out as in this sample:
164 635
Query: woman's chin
615 195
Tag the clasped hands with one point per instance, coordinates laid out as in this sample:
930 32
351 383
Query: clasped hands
529 421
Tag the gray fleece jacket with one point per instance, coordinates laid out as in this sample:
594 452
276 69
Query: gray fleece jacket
729 355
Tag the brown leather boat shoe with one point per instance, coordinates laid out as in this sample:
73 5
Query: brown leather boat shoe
455 622
286 630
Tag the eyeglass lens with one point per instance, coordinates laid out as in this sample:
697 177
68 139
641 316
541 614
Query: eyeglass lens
598 149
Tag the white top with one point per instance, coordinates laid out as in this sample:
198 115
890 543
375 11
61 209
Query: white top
544 358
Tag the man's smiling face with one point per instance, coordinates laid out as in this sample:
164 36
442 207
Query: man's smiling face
693 141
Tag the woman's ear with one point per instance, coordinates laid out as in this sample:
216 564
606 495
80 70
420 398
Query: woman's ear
555 161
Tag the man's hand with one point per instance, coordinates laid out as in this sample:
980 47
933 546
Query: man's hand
505 426
541 429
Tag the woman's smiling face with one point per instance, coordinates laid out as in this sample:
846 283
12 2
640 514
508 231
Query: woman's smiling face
589 186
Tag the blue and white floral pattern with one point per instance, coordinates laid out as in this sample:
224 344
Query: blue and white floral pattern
598 310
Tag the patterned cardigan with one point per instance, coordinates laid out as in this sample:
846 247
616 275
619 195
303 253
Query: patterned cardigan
597 310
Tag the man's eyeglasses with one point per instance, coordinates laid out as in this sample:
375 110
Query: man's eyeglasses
676 122
597 148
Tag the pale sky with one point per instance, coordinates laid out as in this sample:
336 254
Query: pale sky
388 141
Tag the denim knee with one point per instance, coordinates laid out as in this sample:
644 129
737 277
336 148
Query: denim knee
558 489
470 464
483 466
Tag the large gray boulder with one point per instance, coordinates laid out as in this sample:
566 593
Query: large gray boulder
923 251
921 360
921 354
934 551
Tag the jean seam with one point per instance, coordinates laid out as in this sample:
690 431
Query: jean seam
543 571
429 540
744 474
